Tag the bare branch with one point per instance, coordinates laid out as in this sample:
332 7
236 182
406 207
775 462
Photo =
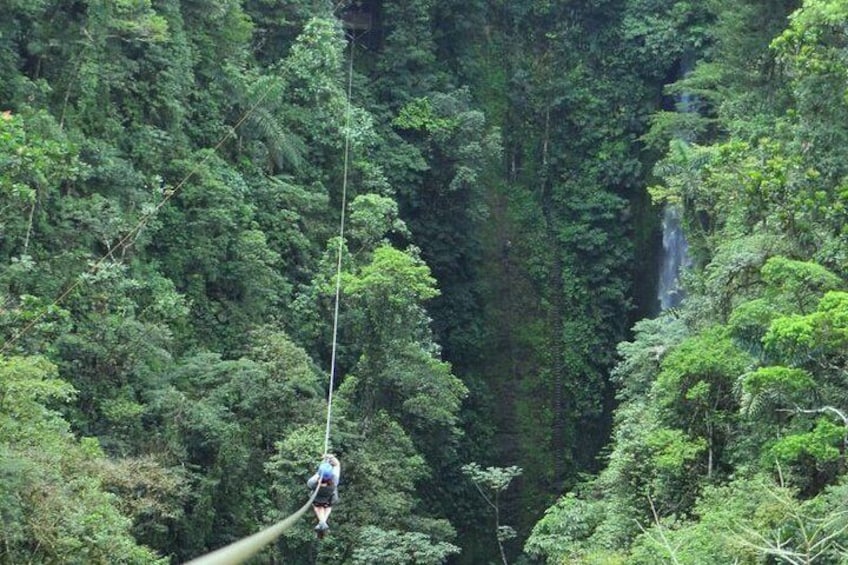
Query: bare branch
671 551
798 410
770 547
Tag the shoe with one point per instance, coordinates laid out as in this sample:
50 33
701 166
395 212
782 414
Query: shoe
318 527
324 527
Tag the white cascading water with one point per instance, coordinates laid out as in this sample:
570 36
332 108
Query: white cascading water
675 258
675 252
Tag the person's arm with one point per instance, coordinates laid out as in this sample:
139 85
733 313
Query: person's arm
337 468
313 480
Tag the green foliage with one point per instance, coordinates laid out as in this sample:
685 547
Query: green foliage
802 281
562 533
697 376
671 450
35 160
52 497
393 278
223 265
419 114
397 548
756 164
495 479
812 50
174 138
222 419
408 66
750 320
640 359
781 378
823 443
28 384
397 363
170 179
373 218
130 20
750 520
150 493
819 334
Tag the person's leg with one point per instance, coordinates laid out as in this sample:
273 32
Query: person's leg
322 518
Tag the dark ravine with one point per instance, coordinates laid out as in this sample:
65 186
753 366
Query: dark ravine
539 147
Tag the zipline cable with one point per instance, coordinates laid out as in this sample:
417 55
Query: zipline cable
242 550
341 248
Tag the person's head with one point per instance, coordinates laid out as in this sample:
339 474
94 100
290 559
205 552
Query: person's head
325 471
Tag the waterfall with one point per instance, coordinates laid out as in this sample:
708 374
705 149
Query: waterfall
675 257
675 251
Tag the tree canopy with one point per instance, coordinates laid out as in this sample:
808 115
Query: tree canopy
172 181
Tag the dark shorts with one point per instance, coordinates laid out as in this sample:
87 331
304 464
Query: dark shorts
327 496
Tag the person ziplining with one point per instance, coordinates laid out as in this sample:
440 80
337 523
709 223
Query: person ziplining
324 483
326 479
329 471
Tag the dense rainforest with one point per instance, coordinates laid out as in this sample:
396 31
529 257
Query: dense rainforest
184 184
